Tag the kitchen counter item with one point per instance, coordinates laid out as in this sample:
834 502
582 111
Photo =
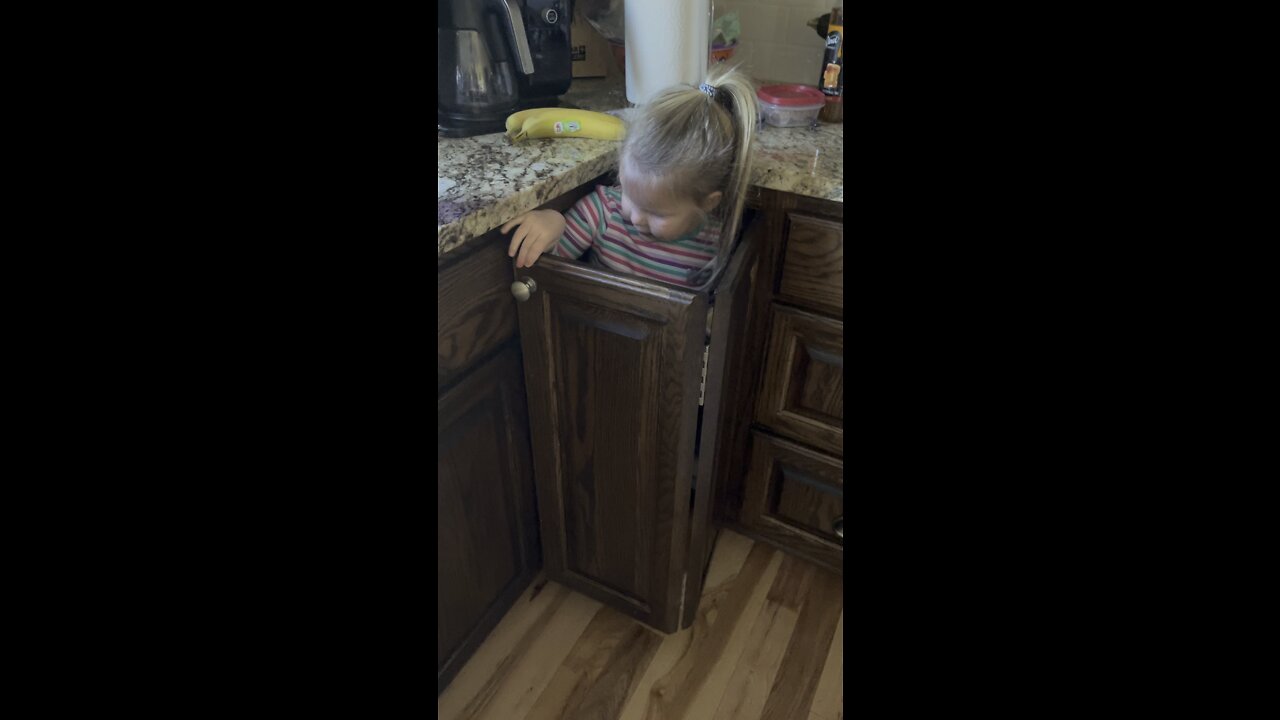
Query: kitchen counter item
667 43
721 53
482 48
606 16
547 24
833 111
619 55
790 105
831 79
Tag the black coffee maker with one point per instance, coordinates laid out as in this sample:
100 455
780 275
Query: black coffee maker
498 57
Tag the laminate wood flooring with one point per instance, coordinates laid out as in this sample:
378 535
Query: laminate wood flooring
767 644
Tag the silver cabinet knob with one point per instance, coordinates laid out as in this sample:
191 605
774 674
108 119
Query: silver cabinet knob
551 16
523 289
838 527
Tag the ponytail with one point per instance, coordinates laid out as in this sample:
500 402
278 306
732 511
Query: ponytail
699 140
739 97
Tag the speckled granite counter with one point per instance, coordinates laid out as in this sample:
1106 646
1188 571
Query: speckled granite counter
484 181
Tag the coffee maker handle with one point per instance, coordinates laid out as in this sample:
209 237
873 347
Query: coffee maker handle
517 32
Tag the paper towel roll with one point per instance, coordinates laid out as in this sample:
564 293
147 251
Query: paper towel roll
667 43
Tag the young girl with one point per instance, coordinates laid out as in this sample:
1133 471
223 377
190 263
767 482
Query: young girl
686 153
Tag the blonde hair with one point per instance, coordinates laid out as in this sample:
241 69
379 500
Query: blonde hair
699 143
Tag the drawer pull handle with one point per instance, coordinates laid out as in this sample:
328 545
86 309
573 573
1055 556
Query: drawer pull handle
838 527
523 289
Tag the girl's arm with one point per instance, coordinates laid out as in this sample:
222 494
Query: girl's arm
538 231
566 236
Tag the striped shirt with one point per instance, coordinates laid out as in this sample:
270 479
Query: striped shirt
596 223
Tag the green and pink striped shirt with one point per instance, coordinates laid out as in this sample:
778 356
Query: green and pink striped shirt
596 222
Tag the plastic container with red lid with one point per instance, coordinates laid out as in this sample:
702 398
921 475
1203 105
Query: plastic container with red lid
790 105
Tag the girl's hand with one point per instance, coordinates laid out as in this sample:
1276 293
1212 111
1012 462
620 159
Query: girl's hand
538 231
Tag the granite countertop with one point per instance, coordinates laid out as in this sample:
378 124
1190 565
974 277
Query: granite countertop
484 181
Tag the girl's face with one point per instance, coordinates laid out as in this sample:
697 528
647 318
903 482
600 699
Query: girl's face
650 205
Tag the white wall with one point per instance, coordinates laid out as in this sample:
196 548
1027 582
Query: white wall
776 44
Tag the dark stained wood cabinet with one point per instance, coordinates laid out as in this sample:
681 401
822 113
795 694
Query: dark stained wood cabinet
783 479
803 391
813 263
476 313
795 497
624 427
487 546
597 429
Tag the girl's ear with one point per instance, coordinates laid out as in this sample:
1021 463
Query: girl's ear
711 201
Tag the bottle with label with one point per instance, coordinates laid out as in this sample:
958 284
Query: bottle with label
831 83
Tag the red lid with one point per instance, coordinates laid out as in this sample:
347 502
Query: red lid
789 95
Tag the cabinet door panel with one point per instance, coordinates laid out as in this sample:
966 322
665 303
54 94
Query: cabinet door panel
612 368
813 264
602 357
806 502
722 419
803 393
486 532
475 312
793 497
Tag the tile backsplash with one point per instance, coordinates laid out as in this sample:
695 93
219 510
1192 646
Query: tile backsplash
776 44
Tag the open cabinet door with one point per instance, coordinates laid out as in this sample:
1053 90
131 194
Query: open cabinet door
612 369
727 347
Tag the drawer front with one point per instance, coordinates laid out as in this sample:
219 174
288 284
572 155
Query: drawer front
794 496
475 310
803 393
813 264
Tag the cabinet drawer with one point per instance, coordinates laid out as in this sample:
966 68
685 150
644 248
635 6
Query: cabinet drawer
813 264
803 392
794 496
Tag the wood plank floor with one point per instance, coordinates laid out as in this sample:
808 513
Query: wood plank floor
768 644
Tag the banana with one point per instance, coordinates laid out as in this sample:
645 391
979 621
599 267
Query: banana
515 121
566 123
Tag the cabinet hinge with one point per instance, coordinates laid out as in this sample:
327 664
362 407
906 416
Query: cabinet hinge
702 388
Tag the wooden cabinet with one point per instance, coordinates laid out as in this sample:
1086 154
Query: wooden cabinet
487 546
784 479
593 429
803 392
624 427
813 263
795 497
475 312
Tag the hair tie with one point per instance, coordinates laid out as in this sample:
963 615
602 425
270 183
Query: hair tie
723 100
